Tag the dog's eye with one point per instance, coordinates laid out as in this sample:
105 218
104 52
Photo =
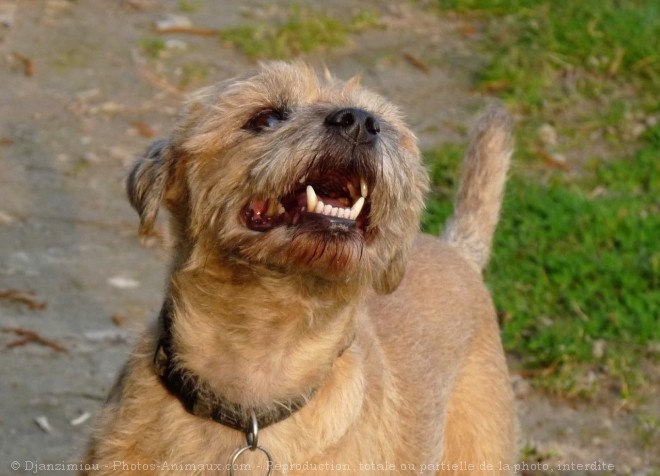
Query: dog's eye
265 120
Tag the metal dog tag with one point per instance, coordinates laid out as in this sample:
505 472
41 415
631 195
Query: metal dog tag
232 462
252 437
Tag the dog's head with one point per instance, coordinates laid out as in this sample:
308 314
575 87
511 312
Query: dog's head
282 169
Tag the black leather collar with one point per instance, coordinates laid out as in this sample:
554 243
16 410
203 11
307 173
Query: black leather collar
200 400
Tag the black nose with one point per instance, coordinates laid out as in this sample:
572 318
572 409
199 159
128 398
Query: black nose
355 124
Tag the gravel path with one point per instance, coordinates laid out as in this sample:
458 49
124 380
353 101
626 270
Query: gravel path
80 98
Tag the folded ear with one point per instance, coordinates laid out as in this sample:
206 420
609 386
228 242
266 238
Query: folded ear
391 276
147 182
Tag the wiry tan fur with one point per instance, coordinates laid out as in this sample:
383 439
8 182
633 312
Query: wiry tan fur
394 330
477 207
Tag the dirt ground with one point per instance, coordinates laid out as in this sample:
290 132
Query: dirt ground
80 98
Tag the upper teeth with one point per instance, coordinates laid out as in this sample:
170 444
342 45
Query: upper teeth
311 198
314 205
364 190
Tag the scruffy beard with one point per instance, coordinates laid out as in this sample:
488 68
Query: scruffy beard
339 255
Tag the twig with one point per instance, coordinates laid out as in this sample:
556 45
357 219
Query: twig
538 372
616 62
29 337
85 395
28 65
494 87
188 30
552 160
23 297
159 82
417 63
152 78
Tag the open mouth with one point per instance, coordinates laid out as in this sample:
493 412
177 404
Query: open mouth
334 200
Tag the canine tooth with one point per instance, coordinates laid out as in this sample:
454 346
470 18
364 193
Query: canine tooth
280 208
312 200
319 207
364 190
327 209
357 208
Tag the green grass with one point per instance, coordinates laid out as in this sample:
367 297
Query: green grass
575 272
188 6
609 37
567 63
570 269
648 429
153 47
192 74
573 264
303 31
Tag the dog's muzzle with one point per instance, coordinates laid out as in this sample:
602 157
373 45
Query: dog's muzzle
336 190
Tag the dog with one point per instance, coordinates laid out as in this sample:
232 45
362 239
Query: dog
307 326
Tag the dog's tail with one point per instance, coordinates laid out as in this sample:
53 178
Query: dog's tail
476 211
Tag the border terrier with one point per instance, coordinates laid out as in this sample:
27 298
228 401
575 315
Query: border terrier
307 326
